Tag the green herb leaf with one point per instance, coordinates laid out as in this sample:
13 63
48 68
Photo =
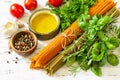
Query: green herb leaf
85 66
103 21
70 60
118 31
103 61
98 57
112 59
83 25
81 58
97 71
98 51
91 33
112 43
101 36
83 62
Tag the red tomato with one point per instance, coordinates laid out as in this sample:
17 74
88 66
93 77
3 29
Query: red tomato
16 10
55 3
30 4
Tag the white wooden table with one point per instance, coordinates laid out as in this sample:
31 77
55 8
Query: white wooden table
16 67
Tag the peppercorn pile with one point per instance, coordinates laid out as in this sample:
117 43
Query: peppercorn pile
24 42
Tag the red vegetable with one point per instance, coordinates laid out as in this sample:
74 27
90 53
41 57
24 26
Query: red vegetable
30 4
16 10
56 3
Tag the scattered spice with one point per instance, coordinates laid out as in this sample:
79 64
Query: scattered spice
7 61
9 52
16 58
16 62
24 42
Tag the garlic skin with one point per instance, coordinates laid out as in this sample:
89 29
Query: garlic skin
9 27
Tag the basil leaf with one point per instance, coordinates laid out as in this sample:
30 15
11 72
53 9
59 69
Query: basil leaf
97 71
112 43
112 59
98 51
98 57
103 61
101 36
103 21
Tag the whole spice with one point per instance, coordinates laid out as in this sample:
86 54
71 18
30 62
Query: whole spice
9 52
8 62
16 62
24 42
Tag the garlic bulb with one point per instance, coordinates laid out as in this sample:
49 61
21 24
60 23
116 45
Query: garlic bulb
8 28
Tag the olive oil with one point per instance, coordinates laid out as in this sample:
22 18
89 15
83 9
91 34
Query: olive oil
44 23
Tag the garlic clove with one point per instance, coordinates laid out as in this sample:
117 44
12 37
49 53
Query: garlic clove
20 24
9 28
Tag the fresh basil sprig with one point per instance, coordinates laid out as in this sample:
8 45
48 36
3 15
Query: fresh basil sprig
99 40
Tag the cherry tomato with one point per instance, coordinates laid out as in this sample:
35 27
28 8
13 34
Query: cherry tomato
16 10
56 3
30 4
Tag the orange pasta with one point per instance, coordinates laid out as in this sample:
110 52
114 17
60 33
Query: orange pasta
109 6
101 7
